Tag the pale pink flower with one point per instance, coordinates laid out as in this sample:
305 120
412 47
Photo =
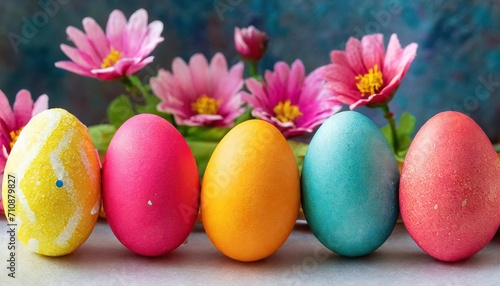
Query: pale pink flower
12 121
366 74
122 51
294 103
250 43
200 94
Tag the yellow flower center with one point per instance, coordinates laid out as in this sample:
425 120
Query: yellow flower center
14 135
286 112
206 105
111 59
371 82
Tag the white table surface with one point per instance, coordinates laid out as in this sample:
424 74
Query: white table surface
102 260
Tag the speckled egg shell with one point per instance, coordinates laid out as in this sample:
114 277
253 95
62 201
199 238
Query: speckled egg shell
350 185
450 188
150 186
52 179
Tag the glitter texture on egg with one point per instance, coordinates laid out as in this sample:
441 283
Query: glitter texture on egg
56 175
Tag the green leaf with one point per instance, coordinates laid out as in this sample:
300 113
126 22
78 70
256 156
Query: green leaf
137 83
386 130
120 110
406 124
202 151
203 133
299 152
247 115
405 130
151 107
101 136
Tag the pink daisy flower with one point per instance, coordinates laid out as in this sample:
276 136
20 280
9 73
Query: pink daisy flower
200 94
122 51
294 103
366 74
12 121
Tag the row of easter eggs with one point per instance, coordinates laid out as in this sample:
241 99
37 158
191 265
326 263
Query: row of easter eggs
351 187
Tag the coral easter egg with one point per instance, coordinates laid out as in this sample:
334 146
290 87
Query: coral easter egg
450 188
51 184
250 192
350 184
150 186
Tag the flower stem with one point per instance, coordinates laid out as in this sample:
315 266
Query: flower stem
135 87
252 69
137 92
392 123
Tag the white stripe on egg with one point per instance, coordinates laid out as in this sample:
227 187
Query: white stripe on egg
53 121
70 227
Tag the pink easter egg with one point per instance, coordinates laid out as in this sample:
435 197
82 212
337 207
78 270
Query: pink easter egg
450 188
150 186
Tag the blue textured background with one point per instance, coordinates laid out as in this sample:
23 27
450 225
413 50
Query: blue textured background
457 65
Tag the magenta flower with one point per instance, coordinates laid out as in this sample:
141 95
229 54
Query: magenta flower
365 74
122 51
13 121
250 43
200 94
294 103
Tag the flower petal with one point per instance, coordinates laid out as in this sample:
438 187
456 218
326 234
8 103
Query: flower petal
115 30
201 119
3 161
339 58
199 71
139 66
136 31
277 83
167 88
295 81
78 57
74 68
152 39
239 42
6 114
409 54
83 44
392 57
96 37
3 158
218 70
313 89
343 93
118 70
23 107
182 75
373 50
377 97
41 104
4 135
257 97
340 73
228 87
353 52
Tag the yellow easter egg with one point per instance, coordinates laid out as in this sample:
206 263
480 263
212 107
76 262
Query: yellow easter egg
250 192
51 184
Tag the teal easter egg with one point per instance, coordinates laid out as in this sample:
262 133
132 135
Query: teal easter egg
350 181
